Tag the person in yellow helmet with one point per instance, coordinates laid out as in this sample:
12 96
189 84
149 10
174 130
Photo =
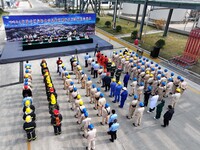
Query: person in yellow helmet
29 112
29 126
53 105
77 104
175 97
28 104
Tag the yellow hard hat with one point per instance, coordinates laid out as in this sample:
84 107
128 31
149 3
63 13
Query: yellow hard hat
178 90
27 103
28 118
62 65
113 79
78 96
126 52
113 63
151 75
79 68
75 59
81 103
46 73
52 96
109 60
44 65
26 76
122 56
127 59
114 52
147 72
48 81
28 110
50 85
135 58
119 82
53 101
68 76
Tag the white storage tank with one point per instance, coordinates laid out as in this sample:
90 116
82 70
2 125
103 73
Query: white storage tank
130 9
162 13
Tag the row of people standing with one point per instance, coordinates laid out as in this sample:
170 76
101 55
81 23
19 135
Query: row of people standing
29 116
55 115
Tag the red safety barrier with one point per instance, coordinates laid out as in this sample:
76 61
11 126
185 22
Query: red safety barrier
191 53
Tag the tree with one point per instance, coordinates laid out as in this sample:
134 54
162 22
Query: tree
118 28
134 34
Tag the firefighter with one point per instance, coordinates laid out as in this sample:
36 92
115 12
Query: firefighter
29 126
29 112
56 119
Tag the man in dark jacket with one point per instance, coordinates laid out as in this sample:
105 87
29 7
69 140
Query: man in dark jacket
107 81
147 94
29 126
159 109
168 116
26 91
56 119
118 73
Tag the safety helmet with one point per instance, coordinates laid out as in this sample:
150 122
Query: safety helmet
107 105
134 65
159 67
144 59
68 77
66 74
71 83
158 78
135 97
163 83
165 70
141 104
120 54
93 85
116 53
140 61
75 89
127 59
78 96
82 72
79 68
135 58
113 80
26 87
51 90
28 119
26 76
172 74
138 67
119 82
84 110
26 71
170 79
98 89
156 65
143 63
81 103
53 101
101 95
141 83
135 79
152 69
28 110
89 78
26 80
151 62
159 72
151 75
27 103
64 68
162 75
100 67
179 77
148 66
56 112
130 60
91 126
147 60
147 72
136 55
182 79
178 90
124 88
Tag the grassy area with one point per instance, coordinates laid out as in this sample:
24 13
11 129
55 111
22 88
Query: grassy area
175 44
127 26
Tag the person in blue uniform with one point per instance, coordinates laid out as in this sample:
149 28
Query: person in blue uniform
126 79
117 92
124 95
113 130
112 87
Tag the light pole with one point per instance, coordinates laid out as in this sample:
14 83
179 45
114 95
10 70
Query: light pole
115 15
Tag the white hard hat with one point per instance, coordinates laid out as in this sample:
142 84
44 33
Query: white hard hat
124 88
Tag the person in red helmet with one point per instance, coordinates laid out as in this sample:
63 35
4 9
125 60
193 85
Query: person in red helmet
26 91
56 119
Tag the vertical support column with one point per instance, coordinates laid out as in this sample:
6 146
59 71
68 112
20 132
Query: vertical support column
2 3
168 22
80 6
143 18
99 7
115 15
21 72
137 15
77 4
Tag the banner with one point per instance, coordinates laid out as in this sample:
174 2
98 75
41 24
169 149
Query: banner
17 27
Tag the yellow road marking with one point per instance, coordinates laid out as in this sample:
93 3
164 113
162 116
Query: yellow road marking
29 145
124 44
194 90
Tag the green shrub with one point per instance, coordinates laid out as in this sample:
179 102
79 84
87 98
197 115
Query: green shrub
97 19
134 34
73 11
118 28
160 43
107 24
